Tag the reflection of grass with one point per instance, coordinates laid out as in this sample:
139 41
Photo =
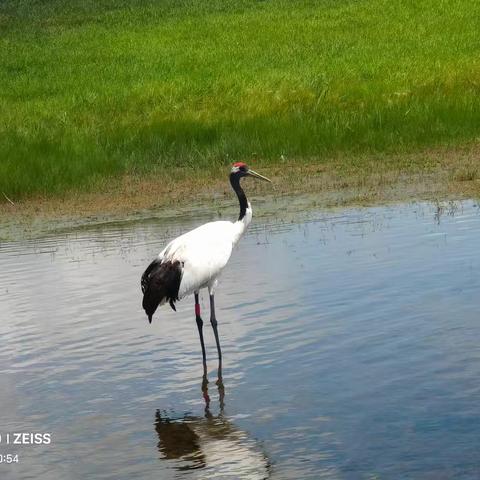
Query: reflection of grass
91 90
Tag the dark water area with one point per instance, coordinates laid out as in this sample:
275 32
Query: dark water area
350 341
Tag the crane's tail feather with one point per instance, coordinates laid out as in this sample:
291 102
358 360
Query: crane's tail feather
160 282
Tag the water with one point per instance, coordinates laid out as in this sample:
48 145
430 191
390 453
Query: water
350 346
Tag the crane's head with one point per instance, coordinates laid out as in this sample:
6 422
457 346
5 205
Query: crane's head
240 170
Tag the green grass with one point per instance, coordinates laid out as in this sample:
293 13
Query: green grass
91 90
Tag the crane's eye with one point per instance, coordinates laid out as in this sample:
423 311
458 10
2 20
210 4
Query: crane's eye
243 168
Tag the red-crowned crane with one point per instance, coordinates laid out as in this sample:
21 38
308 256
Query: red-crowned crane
195 259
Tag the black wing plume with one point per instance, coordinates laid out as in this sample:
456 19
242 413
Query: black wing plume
160 281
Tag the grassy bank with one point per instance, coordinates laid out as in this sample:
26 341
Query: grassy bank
434 175
92 91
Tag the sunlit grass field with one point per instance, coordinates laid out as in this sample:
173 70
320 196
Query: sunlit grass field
93 90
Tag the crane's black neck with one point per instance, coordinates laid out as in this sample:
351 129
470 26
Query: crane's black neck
242 198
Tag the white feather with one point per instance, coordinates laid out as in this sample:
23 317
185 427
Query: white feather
204 252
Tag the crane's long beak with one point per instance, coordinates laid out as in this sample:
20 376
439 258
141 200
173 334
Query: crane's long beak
257 175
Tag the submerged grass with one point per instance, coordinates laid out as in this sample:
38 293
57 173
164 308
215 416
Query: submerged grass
96 90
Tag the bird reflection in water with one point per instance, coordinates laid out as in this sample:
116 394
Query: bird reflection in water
211 442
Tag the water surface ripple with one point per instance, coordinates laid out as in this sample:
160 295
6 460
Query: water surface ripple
350 342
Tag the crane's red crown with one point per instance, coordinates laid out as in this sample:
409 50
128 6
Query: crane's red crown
239 164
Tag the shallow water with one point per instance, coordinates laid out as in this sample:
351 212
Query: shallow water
350 346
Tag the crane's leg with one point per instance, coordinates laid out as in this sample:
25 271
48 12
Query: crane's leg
206 397
199 320
213 321
221 390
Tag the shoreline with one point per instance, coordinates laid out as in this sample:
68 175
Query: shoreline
435 175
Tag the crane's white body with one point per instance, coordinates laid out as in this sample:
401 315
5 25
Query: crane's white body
204 252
